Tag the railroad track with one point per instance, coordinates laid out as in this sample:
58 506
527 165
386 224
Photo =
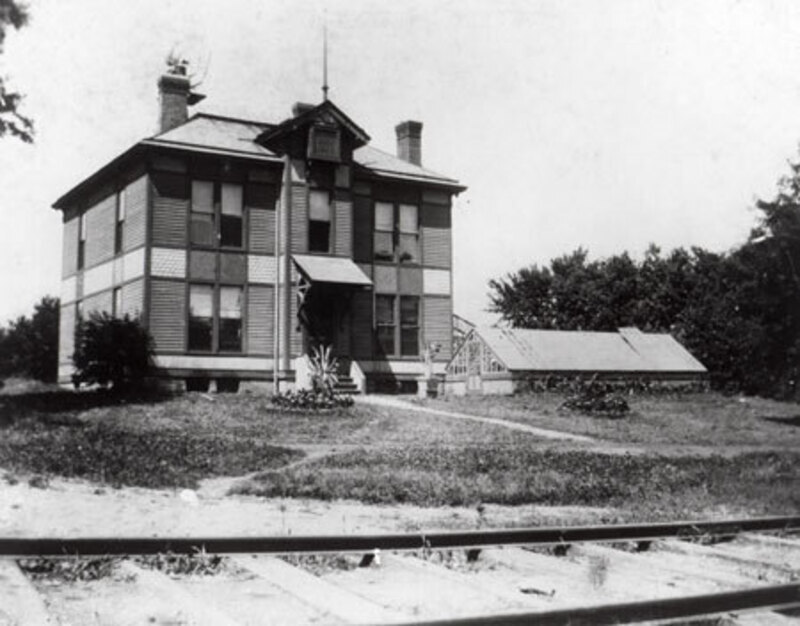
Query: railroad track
743 571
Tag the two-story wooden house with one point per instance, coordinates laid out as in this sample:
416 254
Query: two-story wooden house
243 244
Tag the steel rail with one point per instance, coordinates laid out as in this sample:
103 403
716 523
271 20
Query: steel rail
21 547
760 599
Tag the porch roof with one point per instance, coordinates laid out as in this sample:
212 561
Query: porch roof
331 269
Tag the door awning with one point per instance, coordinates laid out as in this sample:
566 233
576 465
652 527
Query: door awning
330 269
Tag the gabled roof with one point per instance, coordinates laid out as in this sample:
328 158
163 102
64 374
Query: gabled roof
214 134
298 121
628 350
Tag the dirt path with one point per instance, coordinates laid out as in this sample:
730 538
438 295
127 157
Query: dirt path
545 433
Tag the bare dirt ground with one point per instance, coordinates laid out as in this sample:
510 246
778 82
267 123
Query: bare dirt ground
69 508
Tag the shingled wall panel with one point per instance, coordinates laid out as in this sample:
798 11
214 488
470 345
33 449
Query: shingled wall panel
260 319
299 219
69 248
438 322
100 231
135 214
262 230
168 314
343 228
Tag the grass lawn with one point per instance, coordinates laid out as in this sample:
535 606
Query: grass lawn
701 419
387 455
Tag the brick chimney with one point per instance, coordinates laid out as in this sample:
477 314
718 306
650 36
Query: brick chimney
175 93
409 141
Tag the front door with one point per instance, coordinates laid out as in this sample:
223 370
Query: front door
325 320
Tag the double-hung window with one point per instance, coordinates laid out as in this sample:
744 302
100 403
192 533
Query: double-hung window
396 235
216 214
385 323
409 325
395 339
119 226
384 231
215 318
319 221
81 240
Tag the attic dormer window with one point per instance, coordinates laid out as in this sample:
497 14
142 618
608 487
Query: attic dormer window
324 143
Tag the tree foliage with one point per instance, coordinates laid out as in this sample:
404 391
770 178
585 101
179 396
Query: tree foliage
12 15
29 346
111 351
738 312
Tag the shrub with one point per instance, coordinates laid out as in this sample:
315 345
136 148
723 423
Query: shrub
307 399
594 398
110 350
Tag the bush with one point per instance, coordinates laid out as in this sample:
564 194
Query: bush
29 347
594 398
307 399
111 351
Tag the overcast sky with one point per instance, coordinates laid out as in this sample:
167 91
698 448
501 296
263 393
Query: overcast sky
607 125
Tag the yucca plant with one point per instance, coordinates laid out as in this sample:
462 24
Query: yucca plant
323 369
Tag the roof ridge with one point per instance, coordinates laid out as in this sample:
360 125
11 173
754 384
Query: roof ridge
228 118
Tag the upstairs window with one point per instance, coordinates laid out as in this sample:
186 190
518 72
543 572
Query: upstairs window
408 239
81 240
384 231
120 222
396 232
202 227
319 221
231 222
217 214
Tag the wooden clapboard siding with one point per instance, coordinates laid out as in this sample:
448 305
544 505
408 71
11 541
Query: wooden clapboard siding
435 222
168 314
133 298
69 248
438 320
170 208
100 221
133 234
362 229
262 230
299 218
343 227
361 325
98 303
66 334
260 319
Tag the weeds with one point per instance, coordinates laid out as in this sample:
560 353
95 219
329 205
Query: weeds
69 569
320 564
199 564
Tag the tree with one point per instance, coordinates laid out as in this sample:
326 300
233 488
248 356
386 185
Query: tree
29 347
111 351
12 122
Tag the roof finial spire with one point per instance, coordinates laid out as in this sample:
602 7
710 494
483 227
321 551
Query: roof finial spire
325 62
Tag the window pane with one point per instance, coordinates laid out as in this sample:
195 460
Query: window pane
121 205
386 339
230 335
409 311
384 309
201 229
409 218
383 246
200 333
408 248
82 228
230 302
201 301
202 196
319 236
409 341
231 199
230 231
319 206
384 216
